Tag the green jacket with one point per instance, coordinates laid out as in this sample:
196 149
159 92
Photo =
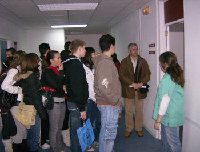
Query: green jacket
174 115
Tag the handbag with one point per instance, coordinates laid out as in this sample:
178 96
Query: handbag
26 114
144 89
8 100
85 135
47 99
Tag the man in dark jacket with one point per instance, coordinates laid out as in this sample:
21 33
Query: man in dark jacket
134 73
77 89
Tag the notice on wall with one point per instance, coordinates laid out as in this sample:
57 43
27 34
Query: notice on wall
152 45
152 52
152 48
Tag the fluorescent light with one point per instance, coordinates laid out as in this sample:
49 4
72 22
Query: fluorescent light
68 6
63 26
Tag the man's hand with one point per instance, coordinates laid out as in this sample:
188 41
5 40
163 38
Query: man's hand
83 115
139 85
136 85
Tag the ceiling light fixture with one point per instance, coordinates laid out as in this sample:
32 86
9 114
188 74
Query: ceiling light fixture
68 26
68 6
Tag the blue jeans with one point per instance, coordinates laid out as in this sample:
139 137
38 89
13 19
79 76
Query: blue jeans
33 135
95 117
170 139
109 124
75 123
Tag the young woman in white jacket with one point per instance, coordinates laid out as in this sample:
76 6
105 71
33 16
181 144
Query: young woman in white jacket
92 110
18 141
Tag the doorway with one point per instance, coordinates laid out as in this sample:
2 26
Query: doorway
175 43
3 47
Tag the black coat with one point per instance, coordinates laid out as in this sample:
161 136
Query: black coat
31 89
52 80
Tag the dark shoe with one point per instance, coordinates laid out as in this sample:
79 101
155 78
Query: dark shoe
140 133
127 134
16 147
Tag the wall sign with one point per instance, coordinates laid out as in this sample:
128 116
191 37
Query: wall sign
152 45
152 52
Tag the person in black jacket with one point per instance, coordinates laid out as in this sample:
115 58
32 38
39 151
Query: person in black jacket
44 48
30 84
77 89
53 79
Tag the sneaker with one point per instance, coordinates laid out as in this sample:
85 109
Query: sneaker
45 146
95 144
90 149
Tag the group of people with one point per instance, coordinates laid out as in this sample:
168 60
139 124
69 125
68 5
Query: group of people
85 84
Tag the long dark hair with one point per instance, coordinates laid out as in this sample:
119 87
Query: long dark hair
87 60
50 55
173 69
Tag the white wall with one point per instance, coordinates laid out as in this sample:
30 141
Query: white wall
12 32
149 35
55 38
92 40
177 46
126 31
28 40
191 130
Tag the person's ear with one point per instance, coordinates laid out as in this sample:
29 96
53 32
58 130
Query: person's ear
51 60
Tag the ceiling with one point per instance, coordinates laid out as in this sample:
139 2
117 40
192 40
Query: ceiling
26 14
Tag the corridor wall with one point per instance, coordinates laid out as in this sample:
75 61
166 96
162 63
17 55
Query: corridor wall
92 40
55 38
126 31
12 32
191 129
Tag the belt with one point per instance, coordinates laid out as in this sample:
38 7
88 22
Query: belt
59 102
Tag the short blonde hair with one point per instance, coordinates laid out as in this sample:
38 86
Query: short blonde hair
75 44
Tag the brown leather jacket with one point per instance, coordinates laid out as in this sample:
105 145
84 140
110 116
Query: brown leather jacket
127 76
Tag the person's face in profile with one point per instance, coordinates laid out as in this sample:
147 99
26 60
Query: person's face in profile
8 54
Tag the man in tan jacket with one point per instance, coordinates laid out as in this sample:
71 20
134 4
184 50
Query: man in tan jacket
134 73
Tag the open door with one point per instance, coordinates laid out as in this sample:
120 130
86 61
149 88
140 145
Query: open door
3 47
175 43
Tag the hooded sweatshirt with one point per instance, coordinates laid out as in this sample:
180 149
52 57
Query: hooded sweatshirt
106 81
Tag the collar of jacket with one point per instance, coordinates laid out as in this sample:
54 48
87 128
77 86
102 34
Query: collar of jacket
20 76
54 69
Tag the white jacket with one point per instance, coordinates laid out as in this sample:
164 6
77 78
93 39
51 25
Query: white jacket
90 81
8 84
